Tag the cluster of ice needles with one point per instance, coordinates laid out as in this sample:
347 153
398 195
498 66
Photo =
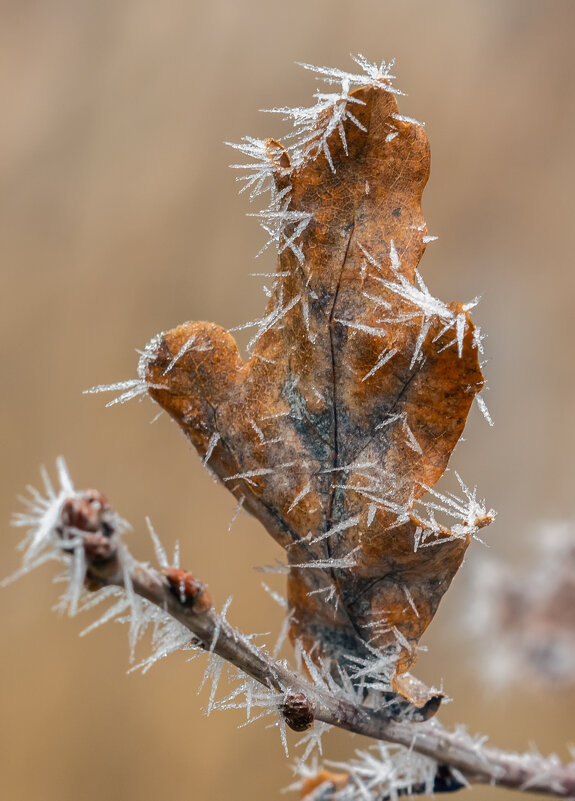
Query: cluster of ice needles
312 127
381 771
421 308
470 513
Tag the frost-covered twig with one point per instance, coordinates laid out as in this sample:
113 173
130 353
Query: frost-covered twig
81 528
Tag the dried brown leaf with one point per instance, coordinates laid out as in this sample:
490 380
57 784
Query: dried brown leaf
356 392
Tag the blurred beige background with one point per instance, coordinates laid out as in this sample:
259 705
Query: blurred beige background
119 218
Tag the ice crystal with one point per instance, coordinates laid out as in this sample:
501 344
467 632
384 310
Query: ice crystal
470 512
249 694
132 388
168 637
237 510
344 525
343 563
300 496
42 518
408 120
378 668
275 596
273 319
383 358
312 741
261 170
480 400
420 307
135 387
159 549
284 227
188 344
214 439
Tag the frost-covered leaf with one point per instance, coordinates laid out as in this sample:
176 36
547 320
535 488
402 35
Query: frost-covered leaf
357 389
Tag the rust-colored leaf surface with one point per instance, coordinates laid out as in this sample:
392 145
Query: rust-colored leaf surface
356 392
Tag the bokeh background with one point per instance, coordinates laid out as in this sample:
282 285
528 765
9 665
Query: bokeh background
119 218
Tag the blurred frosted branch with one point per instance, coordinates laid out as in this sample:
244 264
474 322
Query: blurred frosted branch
524 628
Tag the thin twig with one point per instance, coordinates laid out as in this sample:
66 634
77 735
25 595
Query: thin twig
182 597
81 526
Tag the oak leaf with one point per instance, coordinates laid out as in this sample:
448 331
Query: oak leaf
356 392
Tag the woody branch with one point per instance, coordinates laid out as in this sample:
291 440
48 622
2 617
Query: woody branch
185 599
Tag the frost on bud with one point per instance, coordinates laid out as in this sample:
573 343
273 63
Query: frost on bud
81 530
87 512
90 513
297 711
189 591
72 526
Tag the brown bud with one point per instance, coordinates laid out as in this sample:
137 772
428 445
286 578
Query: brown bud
297 711
98 548
86 512
188 590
